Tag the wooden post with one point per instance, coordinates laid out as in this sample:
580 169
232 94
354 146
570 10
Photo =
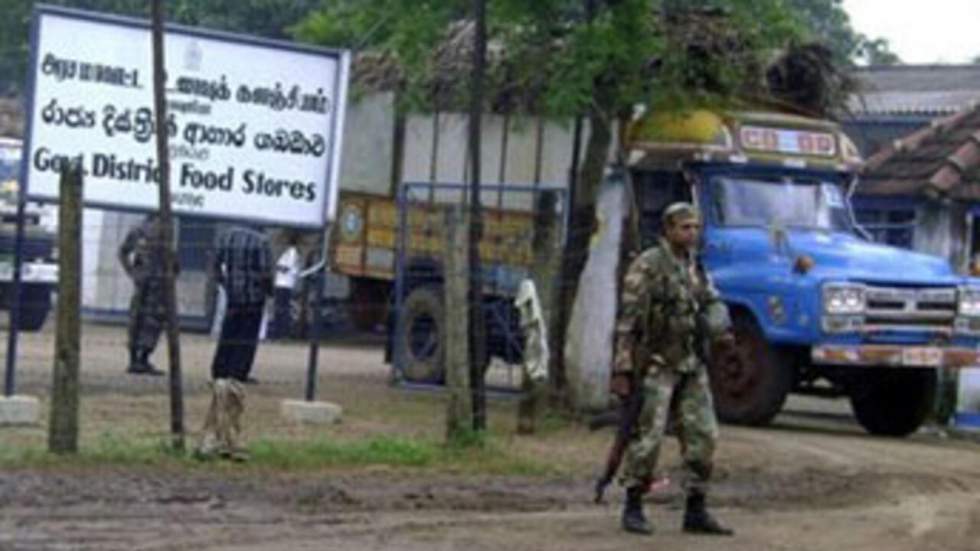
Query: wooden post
459 412
165 238
63 425
545 271
477 348
398 145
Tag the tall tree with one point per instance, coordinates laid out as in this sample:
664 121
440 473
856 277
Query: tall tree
595 59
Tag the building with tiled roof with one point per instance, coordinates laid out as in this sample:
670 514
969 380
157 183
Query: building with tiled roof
896 100
940 160
919 127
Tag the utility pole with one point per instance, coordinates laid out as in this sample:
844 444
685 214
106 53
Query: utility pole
477 349
165 234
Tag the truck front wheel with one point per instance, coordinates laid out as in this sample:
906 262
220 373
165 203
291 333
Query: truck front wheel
419 336
750 385
893 401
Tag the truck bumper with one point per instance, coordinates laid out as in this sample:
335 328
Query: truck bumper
876 355
31 272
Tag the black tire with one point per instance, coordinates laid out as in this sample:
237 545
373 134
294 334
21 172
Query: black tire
893 401
750 385
35 303
420 336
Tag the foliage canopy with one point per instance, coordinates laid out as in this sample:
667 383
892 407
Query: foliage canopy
551 56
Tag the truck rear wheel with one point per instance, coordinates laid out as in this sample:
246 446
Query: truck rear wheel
750 385
419 338
35 303
893 401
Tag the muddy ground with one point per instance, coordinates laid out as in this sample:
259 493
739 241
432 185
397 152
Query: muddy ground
812 481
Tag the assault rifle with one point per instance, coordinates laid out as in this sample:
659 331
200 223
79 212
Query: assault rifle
629 416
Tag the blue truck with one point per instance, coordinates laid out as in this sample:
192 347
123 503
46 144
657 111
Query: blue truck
817 307
39 269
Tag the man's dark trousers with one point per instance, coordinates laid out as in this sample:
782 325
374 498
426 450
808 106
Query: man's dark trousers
238 341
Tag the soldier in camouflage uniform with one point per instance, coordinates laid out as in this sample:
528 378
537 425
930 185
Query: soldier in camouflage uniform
658 330
147 311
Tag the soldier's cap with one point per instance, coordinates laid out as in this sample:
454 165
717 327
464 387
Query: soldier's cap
679 211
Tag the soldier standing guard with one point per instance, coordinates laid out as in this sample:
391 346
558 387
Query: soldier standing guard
143 263
665 291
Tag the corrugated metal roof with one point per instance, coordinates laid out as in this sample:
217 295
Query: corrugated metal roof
931 90
933 104
920 78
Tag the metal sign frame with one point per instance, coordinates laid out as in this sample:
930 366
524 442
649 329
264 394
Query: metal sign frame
333 164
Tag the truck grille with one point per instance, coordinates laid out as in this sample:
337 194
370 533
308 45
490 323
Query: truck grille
910 309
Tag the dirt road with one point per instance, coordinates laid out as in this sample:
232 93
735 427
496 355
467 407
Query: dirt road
813 481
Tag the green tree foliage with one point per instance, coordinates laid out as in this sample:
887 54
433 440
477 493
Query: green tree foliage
877 52
592 58
14 22
549 55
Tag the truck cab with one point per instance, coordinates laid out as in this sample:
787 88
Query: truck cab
816 306
39 272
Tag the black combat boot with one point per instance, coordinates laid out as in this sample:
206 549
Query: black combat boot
139 364
134 362
697 519
633 518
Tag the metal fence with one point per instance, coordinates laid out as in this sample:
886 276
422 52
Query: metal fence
507 256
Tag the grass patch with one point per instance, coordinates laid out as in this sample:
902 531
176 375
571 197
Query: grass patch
480 454
397 452
106 449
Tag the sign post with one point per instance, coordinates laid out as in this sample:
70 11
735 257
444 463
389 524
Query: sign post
253 127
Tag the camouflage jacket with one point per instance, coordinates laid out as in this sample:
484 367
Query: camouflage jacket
667 303
139 257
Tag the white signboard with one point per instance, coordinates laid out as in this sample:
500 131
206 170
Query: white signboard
255 126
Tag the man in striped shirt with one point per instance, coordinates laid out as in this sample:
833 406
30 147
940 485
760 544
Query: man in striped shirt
243 267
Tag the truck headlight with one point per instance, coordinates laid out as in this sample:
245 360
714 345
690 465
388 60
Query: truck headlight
968 301
844 298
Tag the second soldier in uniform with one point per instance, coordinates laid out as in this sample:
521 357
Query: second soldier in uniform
143 264
657 335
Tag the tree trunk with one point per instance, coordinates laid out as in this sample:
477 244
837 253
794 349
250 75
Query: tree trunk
477 348
582 221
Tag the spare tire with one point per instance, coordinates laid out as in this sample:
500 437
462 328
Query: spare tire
420 336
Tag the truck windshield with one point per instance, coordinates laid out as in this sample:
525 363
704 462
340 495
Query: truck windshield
785 202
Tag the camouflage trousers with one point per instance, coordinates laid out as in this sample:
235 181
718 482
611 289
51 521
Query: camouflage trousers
686 397
146 317
222 431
